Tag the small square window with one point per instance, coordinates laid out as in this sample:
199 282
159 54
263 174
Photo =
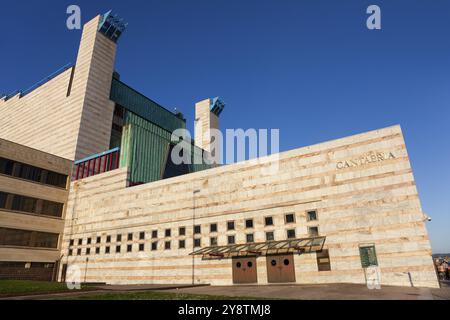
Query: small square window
181 244
97 250
197 229
213 241
141 247
88 251
108 239
130 237
167 245
154 234
89 240
231 239
230 225
119 238
311 215
142 236
129 248
268 221
291 234
182 231
250 238
249 223
290 218
107 250
168 233
99 239
313 231
70 252
79 252
213 227
118 249
270 236
197 243
154 246
71 243
80 242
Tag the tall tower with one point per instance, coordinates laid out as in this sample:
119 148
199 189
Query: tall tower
207 114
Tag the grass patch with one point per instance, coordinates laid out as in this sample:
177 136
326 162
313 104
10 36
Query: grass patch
25 287
156 295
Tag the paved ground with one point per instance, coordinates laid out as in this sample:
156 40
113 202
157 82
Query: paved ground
324 292
304 292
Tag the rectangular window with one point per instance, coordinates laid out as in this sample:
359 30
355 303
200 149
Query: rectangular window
230 225
142 236
368 256
118 249
79 252
88 251
141 247
323 260
97 250
108 239
182 231
107 250
289 218
249 238
231 239
99 239
70 252
28 172
268 221
313 231
270 236
249 223
119 238
53 209
129 248
311 215
290 234
167 245
197 242
130 237
213 227
181 244
213 241
154 234
71 242
197 229
168 233
154 246
89 240
80 242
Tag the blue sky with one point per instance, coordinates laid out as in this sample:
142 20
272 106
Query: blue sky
310 68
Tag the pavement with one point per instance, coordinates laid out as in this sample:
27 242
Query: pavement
324 292
303 292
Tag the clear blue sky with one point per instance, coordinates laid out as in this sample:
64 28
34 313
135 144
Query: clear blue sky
310 68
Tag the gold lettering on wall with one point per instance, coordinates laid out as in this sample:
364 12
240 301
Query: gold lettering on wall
366 159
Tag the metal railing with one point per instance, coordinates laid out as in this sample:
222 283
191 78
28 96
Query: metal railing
96 164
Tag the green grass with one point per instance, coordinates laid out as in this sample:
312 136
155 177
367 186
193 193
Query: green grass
156 295
25 287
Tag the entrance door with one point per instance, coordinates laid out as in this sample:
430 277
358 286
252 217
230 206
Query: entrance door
280 268
244 270
64 272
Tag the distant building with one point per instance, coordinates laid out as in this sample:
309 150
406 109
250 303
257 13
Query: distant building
133 216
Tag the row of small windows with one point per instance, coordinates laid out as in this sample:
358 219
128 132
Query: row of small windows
28 172
231 239
27 238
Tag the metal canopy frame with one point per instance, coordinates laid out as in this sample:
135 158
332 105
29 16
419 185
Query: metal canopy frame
304 245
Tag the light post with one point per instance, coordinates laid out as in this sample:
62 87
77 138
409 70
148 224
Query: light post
193 235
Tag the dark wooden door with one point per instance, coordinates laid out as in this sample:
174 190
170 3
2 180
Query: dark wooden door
280 268
244 270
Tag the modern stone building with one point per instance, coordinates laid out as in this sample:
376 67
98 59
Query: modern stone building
134 216
34 186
